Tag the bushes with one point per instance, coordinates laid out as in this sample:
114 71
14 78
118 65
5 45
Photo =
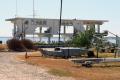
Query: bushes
83 39
27 43
19 45
52 43
40 43
15 45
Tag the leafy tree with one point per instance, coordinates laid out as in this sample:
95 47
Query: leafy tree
83 39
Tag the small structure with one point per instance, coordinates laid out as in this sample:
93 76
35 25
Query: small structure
27 26
65 52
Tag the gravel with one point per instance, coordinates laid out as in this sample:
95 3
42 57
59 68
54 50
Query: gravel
12 69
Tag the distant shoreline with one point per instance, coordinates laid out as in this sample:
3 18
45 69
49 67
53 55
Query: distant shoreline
45 39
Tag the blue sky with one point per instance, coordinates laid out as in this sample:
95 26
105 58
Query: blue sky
79 9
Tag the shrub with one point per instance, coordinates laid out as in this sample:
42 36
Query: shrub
27 43
40 43
15 45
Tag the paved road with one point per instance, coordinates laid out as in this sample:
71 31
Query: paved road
11 69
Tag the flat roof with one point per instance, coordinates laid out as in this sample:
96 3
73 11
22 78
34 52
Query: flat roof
84 21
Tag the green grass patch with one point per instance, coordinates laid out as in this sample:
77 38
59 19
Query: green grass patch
61 73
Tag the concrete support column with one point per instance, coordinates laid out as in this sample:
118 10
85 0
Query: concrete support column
49 38
64 32
98 28
49 35
92 26
23 30
87 27
40 33
21 35
14 30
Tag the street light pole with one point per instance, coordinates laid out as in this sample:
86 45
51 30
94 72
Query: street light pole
60 21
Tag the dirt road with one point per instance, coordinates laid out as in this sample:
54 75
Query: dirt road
11 69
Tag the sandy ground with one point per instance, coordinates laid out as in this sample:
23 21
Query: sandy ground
12 69
106 71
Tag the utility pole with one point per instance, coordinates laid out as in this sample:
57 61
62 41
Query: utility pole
33 17
33 8
16 14
60 21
